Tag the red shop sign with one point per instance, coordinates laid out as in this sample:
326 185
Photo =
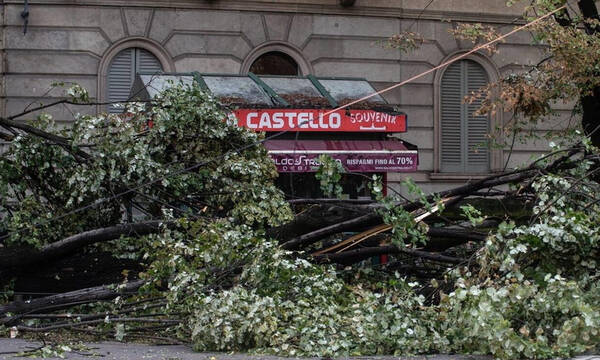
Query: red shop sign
320 120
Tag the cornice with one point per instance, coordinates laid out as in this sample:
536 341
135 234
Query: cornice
304 7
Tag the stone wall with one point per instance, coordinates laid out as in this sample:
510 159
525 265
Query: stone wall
74 42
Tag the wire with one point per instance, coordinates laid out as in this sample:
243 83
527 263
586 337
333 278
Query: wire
246 147
420 14
462 56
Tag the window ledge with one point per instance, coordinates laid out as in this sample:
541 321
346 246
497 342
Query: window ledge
458 177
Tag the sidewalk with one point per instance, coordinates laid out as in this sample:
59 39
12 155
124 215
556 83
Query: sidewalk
121 351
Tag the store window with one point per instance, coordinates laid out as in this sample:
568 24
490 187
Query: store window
463 133
275 63
122 70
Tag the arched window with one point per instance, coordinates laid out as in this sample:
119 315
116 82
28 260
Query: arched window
122 70
463 135
275 63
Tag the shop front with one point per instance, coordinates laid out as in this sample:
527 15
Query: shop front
300 121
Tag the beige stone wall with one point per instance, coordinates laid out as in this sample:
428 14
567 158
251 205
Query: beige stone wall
72 41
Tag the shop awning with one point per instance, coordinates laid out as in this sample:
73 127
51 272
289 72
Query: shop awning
284 103
355 156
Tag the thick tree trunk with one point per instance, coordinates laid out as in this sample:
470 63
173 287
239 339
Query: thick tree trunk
590 103
21 257
313 218
61 301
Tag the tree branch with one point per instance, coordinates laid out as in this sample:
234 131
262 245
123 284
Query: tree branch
22 257
60 301
354 256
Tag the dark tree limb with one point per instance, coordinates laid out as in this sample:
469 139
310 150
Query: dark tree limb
462 236
374 219
313 218
354 256
312 237
65 300
590 103
94 322
10 258
330 201
59 140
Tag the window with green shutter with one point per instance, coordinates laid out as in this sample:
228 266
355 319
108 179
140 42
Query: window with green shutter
122 70
463 135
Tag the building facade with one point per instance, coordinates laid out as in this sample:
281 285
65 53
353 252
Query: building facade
102 44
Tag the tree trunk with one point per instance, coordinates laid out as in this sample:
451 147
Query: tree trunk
314 218
590 104
61 301
21 257
354 256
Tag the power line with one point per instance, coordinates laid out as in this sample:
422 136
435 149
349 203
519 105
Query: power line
420 14
462 56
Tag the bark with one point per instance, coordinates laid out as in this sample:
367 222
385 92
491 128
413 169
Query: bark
372 218
18 258
591 103
61 301
354 256
314 236
59 140
314 218
443 239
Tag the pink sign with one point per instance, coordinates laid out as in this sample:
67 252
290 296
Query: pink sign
320 120
355 156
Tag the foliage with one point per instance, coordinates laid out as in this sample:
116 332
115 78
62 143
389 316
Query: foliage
278 303
535 294
405 42
567 71
49 192
405 231
476 33
329 175
531 291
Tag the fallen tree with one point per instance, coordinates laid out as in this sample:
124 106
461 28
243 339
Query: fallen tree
226 266
221 260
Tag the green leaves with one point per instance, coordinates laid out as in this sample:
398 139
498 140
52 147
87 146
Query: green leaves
182 128
329 175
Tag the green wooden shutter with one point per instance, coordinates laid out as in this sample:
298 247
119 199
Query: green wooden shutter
122 70
463 146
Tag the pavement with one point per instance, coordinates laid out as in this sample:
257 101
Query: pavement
9 349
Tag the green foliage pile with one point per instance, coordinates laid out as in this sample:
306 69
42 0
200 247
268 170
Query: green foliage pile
533 292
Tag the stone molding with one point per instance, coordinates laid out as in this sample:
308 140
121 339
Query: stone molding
317 7
286 48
